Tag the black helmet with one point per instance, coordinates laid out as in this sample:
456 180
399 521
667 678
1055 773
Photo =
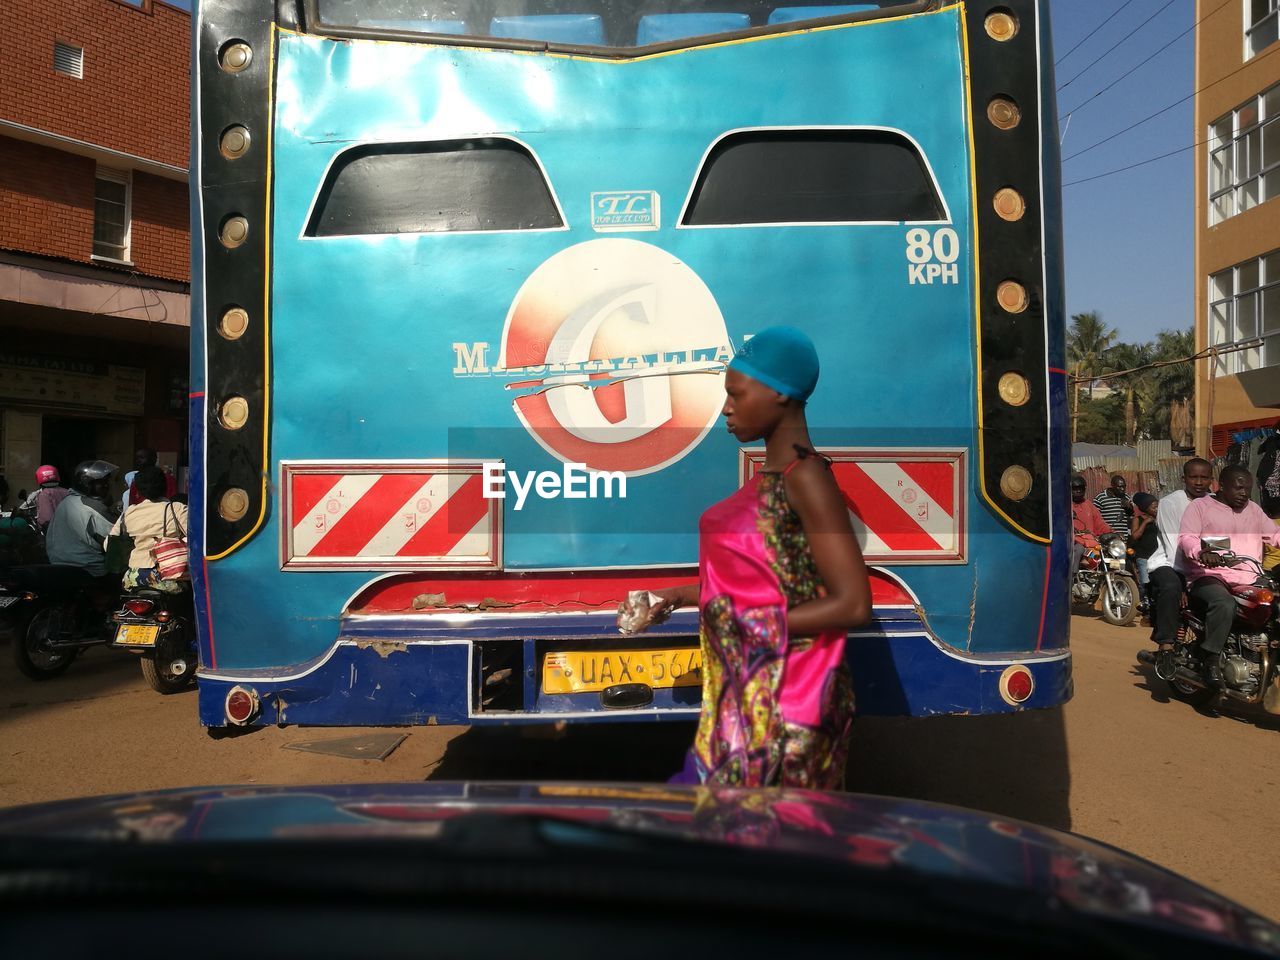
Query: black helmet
91 477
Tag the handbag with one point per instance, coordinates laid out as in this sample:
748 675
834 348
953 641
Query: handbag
171 552
119 548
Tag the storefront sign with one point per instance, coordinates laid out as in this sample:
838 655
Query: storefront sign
73 384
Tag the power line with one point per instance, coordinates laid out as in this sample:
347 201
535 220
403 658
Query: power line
1151 57
1166 6
1199 355
1176 103
1164 110
1088 35
1133 166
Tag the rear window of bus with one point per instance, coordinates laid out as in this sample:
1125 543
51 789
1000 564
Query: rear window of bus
584 23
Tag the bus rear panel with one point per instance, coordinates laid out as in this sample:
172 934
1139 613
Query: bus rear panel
507 249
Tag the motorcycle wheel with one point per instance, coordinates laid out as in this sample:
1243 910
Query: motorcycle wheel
31 653
172 668
1124 610
1190 694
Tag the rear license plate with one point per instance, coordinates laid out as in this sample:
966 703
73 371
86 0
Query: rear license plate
572 671
137 635
7 601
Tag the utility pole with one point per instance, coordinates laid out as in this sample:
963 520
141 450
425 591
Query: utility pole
1075 416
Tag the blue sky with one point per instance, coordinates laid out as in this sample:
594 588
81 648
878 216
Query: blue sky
1128 237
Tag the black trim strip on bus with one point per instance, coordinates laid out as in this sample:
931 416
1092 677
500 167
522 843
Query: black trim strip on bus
1012 436
235 277
311 24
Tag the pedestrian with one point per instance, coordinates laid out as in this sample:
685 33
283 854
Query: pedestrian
782 581
1269 473
146 457
1114 505
1166 565
1142 541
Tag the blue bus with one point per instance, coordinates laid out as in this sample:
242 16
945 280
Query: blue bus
466 275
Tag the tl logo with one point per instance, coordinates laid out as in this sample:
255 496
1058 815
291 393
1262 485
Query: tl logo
621 210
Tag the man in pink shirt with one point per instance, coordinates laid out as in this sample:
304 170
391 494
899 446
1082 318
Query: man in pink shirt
1228 513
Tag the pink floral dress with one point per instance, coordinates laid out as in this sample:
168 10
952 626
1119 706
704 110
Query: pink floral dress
776 709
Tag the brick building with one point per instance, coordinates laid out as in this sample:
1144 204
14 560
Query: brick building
1237 204
94 239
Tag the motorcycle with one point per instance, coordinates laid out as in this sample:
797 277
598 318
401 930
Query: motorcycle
21 541
54 611
159 627
1103 575
1250 657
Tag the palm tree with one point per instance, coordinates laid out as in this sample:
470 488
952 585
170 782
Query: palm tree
1088 340
1137 385
1172 385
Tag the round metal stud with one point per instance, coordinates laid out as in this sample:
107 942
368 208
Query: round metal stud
1001 25
1009 204
234 142
1015 483
1014 389
233 413
1012 296
235 231
233 505
1003 113
234 323
235 56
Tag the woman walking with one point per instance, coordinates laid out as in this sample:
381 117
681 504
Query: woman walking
781 581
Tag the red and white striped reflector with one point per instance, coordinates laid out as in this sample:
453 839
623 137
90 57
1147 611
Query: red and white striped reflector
906 506
363 517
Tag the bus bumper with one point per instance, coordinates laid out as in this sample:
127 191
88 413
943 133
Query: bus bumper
395 671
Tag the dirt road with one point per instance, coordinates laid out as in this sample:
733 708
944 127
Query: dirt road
1193 792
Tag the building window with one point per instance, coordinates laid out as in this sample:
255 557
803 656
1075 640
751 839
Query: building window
1244 156
111 215
1261 19
1244 305
68 60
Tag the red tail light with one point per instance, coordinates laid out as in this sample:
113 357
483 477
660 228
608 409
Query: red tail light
241 705
138 608
1016 685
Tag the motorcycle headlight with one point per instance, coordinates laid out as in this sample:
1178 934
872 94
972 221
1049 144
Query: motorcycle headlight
1115 549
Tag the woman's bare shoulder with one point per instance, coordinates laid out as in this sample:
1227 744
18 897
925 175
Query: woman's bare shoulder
811 479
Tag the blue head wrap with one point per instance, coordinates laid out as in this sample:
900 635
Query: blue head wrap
782 358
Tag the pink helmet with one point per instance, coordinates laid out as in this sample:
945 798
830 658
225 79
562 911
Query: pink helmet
47 474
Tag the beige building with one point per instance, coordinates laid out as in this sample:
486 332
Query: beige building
1237 210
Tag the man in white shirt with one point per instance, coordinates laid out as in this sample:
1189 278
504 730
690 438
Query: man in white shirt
1165 566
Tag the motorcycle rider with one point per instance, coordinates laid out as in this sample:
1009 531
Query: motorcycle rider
1228 513
81 522
42 503
1115 506
1165 565
1085 520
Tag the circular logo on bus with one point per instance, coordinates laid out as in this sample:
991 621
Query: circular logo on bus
624 349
